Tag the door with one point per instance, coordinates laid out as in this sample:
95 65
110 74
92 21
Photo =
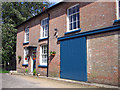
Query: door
73 59
33 62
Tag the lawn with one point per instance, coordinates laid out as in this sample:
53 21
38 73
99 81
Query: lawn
3 71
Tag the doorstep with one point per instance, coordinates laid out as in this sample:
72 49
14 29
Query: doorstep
70 81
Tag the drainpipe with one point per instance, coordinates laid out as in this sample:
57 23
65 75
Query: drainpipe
48 44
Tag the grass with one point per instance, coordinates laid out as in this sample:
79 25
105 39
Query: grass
3 71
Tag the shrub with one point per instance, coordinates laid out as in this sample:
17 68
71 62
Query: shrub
34 72
52 52
19 57
26 70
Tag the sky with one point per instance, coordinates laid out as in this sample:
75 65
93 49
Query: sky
55 1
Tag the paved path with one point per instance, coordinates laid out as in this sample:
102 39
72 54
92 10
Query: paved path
22 81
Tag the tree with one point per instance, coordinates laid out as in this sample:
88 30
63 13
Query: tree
13 14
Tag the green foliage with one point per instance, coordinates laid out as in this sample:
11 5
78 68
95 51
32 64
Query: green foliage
34 72
52 52
3 71
13 14
26 70
19 57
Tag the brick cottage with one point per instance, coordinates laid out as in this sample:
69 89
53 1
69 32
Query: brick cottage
83 42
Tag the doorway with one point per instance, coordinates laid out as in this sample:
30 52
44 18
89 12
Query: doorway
33 60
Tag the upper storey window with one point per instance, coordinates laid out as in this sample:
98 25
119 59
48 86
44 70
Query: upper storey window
119 8
73 17
44 28
26 34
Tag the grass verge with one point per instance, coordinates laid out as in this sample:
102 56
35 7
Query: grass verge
3 71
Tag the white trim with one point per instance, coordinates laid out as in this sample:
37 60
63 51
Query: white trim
41 33
68 18
31 64
117 9
73 6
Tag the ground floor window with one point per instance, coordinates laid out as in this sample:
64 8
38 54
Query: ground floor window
25 55
43 55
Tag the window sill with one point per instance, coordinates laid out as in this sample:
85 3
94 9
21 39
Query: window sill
73 31
25 43
117 21
42 39
24 64
44 66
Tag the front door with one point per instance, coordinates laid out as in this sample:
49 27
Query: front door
33 60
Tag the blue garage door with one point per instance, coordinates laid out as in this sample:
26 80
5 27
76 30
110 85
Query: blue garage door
73 59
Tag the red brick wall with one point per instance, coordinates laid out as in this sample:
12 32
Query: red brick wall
119 58
102 58
97 15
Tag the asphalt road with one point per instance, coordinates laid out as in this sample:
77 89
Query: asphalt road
22 81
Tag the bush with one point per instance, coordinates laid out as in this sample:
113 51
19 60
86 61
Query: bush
34 72
52 52
26 70
19 57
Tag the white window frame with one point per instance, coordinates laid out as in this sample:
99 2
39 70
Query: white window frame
26 32
68 30
25 54
118 9
41 36
41 63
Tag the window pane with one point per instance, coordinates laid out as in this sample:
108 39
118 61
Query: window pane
44 60
73 9
77 8
70 18
43 33
46 32
47 27
74 25
43 22
70 11
43 56
47 21
74 17
78 24
78 16
70 26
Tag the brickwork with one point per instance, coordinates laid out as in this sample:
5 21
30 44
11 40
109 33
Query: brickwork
102 58
119 58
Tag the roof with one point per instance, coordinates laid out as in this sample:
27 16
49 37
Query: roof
39 14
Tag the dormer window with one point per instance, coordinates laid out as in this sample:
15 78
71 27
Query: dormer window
73 17
26 39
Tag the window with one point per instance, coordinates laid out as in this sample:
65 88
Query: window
44 28
43 55
27 34
25 55
119 8
73 17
